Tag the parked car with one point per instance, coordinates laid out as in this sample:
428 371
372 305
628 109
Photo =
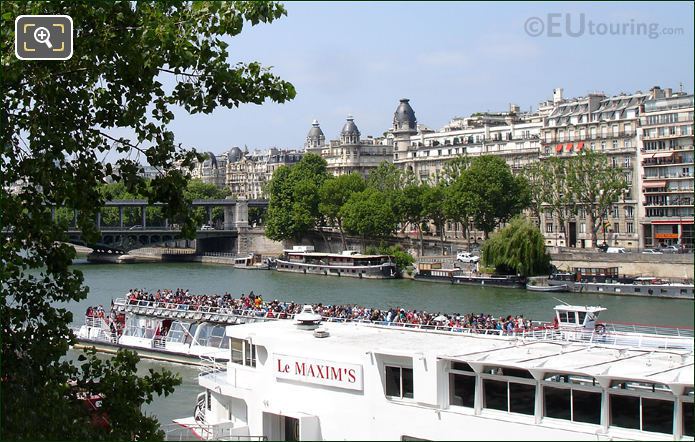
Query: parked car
467 257
652 252
615 250
136 227
602 247
670 249
206 227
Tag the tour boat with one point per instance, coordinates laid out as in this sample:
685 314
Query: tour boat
252 261
165 331
303 259
607 280
568 380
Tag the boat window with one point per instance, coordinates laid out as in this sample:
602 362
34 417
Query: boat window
462 389
243 352
191 333
177 332
582 315
640 386
688 419
461 366
570 378
572 404
203 333
237 351
563 316
507 396
641 413
399 382
216 335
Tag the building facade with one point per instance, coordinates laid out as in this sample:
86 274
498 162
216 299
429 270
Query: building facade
512 135
603 124
350 153
667 170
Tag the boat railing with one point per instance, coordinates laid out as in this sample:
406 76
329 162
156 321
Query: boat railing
649 330
191 311
210 365
175 432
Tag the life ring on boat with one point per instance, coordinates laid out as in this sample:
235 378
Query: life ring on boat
600 329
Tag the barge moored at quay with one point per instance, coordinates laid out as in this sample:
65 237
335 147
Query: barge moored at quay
608 280
303 259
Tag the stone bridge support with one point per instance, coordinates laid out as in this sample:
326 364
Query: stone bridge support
236 217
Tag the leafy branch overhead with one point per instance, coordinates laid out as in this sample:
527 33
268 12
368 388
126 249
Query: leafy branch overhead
66 127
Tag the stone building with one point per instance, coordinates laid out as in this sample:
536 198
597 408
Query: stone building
513 135
350 153
666 163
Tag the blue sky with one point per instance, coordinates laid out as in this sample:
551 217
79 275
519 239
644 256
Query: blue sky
450 59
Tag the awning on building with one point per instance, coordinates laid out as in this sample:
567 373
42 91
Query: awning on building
558 148
580 146
663 155
653 184
569 146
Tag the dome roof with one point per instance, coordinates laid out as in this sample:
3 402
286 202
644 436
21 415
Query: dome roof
315 131
404 115
234 154
350 128
210 160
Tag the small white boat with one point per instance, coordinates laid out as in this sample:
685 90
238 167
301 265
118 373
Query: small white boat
547 288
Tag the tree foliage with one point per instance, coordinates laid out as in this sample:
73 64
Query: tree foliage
333 195
59 124
402 258
518 248
293 207
368 214
489 193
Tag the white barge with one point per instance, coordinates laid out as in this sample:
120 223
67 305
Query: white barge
165 331
303 259
571 380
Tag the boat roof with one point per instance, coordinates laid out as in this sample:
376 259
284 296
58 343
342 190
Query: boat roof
579 308
335 255
603 362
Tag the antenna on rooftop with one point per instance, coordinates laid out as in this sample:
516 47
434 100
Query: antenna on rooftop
560 300
681 86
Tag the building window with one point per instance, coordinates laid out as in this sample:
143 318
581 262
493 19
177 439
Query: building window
629 212
548 227
626 162
603 145
616 227
582 228
399 382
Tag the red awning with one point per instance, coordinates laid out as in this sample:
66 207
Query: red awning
580 146
653 184
569 146
558 148
679 221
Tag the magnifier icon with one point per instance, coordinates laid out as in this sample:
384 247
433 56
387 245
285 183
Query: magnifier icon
42 35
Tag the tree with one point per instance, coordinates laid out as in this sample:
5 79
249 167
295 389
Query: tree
293 207
333 195
58 124
518 248
491 194
455 205
558 195
402 258
367 213
434 209
534 173
412 203
595 186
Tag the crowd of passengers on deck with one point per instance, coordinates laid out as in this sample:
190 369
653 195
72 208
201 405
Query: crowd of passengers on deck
254 304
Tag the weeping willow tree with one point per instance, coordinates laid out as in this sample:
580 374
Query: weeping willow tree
518 248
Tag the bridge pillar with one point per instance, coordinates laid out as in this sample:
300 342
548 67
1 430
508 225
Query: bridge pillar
241 214
99 220
74 217
120 216
228 216
208 209
166 223
143 211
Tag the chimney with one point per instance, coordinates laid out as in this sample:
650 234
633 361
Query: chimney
513 108
655 92
668 92
557 95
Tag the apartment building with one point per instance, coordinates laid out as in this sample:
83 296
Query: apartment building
666 212
350 152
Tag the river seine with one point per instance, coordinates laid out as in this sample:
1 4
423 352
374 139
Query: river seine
107 281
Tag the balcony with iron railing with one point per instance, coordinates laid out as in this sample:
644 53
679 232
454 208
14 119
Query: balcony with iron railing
585 138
